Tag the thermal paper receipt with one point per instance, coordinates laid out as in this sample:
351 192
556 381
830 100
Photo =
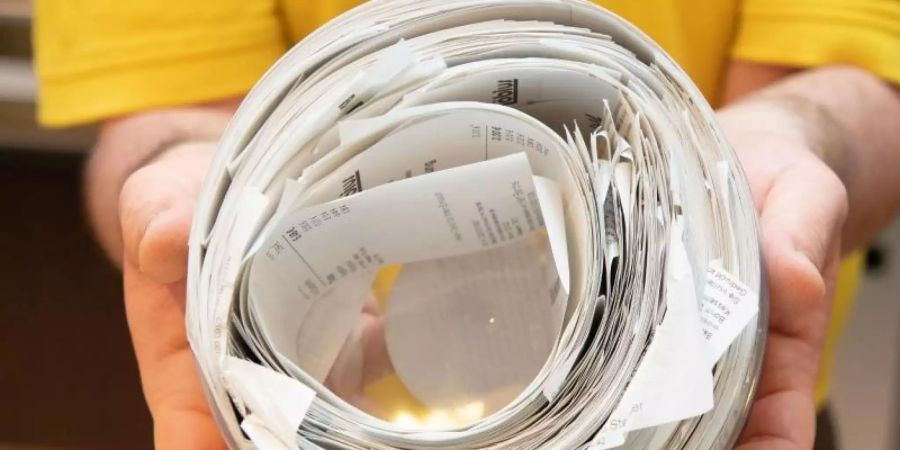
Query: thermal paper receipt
328 254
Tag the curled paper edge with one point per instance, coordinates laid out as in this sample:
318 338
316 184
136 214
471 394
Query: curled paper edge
277 402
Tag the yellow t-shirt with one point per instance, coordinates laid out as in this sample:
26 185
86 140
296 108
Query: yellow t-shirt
98 59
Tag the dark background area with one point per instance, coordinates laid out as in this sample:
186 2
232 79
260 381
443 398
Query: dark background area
68 377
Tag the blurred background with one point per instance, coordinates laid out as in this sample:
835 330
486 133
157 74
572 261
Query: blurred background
68 378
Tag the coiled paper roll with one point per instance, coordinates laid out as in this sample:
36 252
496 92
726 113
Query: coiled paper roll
476 224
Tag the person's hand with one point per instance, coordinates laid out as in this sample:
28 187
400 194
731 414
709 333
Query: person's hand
155 208
802 206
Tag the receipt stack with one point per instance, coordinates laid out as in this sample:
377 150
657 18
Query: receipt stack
476 224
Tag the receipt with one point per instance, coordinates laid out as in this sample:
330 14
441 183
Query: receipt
319 263
728 305
466 136
674 379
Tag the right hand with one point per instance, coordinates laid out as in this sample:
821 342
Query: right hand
155 208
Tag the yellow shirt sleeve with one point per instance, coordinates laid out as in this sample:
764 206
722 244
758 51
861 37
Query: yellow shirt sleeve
806 33
97 59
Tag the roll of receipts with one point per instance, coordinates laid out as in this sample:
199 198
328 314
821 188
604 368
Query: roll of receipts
476 224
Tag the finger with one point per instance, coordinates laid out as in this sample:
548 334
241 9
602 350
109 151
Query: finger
802 217
783 415
346 373
168 373
156 206
371 305
377 362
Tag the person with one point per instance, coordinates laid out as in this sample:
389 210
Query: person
809 101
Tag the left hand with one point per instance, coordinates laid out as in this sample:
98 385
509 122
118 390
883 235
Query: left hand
802 206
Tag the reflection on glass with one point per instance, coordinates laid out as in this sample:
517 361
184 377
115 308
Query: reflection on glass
441 344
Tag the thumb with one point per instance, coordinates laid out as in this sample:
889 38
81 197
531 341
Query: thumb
171 383
155 210
802 217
